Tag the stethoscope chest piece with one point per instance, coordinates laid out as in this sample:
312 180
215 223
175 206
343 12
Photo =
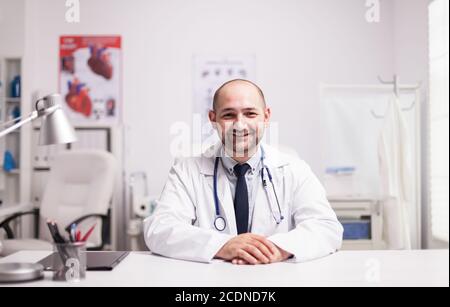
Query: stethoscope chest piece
220 223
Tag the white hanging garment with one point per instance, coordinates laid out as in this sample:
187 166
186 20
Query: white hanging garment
396 177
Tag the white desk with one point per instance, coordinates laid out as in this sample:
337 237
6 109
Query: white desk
346 268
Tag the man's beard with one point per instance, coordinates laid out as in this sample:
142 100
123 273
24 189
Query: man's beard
241 144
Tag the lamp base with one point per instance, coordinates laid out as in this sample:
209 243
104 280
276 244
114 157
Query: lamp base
20 272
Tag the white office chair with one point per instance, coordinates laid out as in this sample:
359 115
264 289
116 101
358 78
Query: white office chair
79 190
288 150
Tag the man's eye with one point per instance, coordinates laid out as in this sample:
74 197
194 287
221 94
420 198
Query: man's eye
227 115
252 114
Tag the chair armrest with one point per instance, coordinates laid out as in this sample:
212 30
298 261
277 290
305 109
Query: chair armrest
5 223
105 227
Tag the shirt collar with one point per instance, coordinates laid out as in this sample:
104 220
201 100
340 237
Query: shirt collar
229 163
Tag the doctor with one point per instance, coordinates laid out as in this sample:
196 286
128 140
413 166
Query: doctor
242 201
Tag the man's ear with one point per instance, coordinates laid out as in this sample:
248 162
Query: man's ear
212 118
267 115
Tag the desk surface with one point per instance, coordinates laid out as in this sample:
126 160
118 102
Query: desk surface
346 268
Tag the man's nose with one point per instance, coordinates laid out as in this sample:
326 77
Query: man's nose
240 123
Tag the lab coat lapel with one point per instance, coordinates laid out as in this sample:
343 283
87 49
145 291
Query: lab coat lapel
262 220
273 158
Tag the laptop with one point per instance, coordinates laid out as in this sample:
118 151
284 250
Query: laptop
96 261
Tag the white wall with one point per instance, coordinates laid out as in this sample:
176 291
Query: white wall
12 28
297 44
411 40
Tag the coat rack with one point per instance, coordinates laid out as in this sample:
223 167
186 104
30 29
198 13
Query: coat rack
397 87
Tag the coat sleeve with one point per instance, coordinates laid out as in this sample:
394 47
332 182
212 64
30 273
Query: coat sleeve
317 232
170 232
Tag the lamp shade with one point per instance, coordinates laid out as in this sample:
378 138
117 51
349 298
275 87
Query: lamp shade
55 127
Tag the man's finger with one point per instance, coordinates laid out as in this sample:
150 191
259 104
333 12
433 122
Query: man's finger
247 257
241 262
255 252
263 248
267 243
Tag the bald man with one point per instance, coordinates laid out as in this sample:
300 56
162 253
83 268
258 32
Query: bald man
242 201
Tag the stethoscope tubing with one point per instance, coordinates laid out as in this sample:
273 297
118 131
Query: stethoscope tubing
219 218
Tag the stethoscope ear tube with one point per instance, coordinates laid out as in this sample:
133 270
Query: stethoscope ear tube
219 223
276 197
216 197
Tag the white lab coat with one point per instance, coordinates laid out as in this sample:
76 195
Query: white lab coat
182 224
394 153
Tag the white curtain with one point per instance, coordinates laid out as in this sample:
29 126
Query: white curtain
439 118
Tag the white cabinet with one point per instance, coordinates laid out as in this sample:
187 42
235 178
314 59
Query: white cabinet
365 211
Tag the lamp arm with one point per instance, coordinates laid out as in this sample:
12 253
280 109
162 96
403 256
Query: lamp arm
30 118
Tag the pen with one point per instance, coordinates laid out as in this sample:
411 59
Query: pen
58 234
58 240
73 230
86 236
54 231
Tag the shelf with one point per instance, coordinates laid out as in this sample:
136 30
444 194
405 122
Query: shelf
41 169
14 132
13 99
360 242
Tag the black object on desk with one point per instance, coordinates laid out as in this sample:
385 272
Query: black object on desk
96 261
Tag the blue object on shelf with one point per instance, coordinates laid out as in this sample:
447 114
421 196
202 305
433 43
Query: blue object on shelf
16 113
356 229
340 170
8 162
15 87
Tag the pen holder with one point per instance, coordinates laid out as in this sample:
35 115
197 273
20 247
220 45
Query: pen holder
70 261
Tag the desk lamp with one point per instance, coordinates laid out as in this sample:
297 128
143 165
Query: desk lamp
55 129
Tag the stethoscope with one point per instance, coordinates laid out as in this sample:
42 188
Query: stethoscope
219 223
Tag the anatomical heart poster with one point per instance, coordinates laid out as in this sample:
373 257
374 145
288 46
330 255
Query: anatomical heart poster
90 74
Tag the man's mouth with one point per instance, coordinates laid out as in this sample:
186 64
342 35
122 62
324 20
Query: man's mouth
240 135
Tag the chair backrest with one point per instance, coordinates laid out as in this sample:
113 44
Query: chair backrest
81 182
288 150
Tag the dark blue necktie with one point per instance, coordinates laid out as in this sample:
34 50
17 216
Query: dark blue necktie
241 198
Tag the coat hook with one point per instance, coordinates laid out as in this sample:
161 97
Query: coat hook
395 83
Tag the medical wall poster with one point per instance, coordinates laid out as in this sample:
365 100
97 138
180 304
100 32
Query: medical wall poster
90 74
209 73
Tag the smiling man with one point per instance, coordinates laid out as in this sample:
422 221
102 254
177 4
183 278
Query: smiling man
242 201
